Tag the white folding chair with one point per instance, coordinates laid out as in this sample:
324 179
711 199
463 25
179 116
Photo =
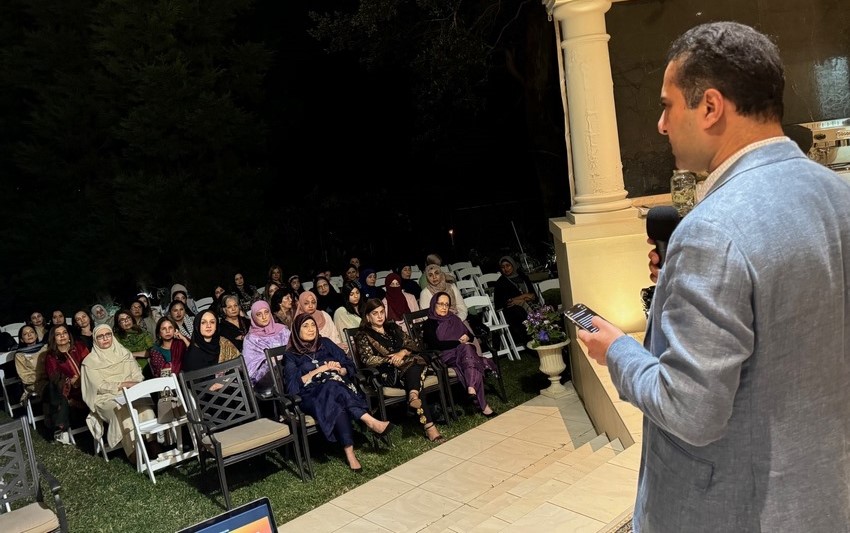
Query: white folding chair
542 286
336 281
380 282
10 383
13 329
483 307
460 265
204 303
468 287
469 272
307 285
486 282
141 428
383 273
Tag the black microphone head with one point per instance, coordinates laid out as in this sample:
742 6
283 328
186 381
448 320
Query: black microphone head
661 221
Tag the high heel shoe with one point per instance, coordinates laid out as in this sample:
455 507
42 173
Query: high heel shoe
386 430
439 439
357 470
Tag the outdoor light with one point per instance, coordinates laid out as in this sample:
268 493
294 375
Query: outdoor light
452 236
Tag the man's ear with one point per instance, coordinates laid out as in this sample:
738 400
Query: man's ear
714 105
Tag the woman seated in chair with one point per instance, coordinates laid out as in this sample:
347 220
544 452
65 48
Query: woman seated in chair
389 349
447 333
437 281
368 289
271 288
63 400
100 315
264 333
307 304
512 294
84 321
36 321
327 299
142 317
283 305
318 371
246 293
105 371
408 284
349 314
233 325
177 313
166 355
132 337
397 301
30 357
208 347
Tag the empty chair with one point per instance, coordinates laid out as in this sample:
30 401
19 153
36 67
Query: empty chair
383 273
306 285
468 287
205 303
13 329
228 426
144 428
487 282
20 482
468 273
460 265
547 284
483 307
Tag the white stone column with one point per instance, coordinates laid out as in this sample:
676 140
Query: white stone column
597 168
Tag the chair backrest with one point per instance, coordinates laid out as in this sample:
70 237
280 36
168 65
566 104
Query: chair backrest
485 280
381 281
307 285
542 286
468 287
144 389
383 273
337 281
274 360
415 321
460 265
482 306
18 472
469 272
350 333
220 395
204 303
13 329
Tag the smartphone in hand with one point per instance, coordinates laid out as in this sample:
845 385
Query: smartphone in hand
580 315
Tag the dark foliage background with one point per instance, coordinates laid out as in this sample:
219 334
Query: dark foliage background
146 142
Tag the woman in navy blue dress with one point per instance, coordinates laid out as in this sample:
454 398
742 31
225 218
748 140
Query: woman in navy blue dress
317 369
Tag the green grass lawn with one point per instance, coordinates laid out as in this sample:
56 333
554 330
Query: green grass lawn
101 496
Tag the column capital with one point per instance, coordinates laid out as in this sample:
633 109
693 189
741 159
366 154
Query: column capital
564 9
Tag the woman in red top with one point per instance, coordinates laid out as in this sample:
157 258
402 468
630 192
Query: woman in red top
167 352
63 399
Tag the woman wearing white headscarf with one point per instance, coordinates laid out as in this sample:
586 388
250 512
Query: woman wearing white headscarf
105 371
437 281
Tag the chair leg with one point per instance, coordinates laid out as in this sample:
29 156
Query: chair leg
222 479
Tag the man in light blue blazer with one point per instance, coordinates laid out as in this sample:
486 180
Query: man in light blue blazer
744 380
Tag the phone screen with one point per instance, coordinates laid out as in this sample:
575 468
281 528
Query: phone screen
580 315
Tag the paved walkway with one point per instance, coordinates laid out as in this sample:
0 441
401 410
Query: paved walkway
538 467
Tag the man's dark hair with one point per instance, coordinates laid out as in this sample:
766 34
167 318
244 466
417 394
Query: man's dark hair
741 63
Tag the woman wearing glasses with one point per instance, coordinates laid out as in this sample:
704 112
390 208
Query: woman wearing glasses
327 299
307 304
132 337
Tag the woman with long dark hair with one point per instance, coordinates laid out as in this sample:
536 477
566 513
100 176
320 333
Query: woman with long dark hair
64 397
166 355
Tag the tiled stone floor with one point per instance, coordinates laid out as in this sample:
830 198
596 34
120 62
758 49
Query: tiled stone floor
539 466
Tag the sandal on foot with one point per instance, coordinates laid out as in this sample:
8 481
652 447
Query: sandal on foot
386 430
438 439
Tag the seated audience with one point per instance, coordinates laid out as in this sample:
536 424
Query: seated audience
327 329
432 259
132 337
181 293
166 355
84 321
217 304
29 363
246 293
349 314
351 275
37 322
368 289
233 326
446 332
264 333
105 371
283 306
318 371
271 288
276 275
513 292
100 314
327 299
177 313
397 302
390 350
208 347
295 284
408 284
438 282
63 398
142 317
153 311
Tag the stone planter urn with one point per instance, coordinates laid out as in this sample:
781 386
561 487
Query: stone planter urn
552 364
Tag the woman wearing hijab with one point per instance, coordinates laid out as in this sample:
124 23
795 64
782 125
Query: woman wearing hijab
320 373
349 314
208 347
398 302
99 314
327 329
438 282
327 299
264 333
368 289
446 332
383 345
62 367
512 294
105 371
408 284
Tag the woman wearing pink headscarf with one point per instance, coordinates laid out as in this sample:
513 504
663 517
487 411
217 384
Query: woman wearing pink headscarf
307 303
397 301
263 333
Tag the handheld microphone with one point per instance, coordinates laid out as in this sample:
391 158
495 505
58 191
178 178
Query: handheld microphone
660 223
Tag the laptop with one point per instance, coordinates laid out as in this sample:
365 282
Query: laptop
252 517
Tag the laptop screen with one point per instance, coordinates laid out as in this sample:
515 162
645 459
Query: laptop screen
252 517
